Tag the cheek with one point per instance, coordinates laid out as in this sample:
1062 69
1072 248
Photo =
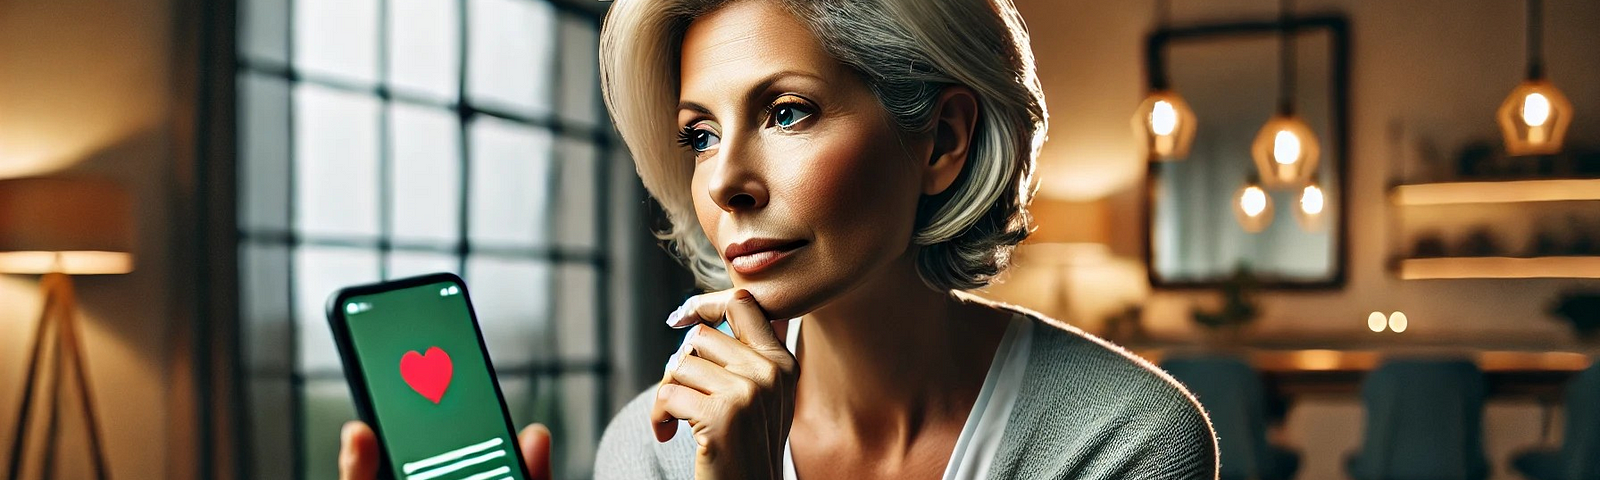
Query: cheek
851 182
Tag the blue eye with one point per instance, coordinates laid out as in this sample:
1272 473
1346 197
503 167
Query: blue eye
698 139
786 115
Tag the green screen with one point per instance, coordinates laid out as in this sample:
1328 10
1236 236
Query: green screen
435 402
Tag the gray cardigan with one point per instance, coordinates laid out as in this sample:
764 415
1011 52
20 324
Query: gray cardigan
1087 409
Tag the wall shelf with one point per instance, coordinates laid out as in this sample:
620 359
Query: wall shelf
1500 267
1510 191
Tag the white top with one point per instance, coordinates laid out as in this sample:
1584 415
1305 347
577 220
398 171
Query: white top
980 436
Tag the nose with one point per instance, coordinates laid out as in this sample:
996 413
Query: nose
735 185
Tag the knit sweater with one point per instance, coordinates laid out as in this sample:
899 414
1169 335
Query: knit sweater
1087 409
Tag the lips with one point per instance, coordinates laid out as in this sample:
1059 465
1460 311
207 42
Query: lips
756 254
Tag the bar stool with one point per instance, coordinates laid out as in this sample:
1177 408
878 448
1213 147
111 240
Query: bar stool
1232 394
1424 421
1579 455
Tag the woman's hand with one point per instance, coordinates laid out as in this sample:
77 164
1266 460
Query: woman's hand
358 452
737 393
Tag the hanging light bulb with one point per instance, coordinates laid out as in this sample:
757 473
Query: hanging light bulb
1167 125
1534 118
1252 206
1310 204
1163 119
1286 150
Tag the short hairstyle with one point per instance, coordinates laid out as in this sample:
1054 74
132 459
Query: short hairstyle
908 52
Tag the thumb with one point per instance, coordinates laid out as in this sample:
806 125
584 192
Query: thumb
358 452
750 323
535 441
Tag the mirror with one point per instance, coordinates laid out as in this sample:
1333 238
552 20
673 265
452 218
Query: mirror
1229 75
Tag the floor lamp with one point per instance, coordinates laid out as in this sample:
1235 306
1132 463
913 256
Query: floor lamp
57 227
1071 234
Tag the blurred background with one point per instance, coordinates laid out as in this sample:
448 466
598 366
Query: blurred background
1365 233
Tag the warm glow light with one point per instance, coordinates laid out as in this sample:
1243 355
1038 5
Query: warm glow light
1535 109
1166 124
1585 266
74 263
1254 201
1285 148
1534 119
1163 118
1311 200
1252 208
1398 322
1285 152
1376 321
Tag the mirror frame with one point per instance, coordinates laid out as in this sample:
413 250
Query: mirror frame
1156 46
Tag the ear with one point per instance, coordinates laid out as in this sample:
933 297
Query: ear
955 118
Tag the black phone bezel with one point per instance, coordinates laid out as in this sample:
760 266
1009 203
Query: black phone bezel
356 379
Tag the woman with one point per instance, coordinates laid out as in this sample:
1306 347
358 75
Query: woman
855 165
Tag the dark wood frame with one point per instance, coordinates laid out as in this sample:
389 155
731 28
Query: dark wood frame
1156 45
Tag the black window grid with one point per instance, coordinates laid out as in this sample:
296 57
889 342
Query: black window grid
598 257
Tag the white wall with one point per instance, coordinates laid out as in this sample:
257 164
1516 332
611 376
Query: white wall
84 85
1437 68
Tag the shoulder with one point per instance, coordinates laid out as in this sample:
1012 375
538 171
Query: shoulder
1111 409
629 450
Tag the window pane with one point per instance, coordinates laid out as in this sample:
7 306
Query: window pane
580 405
511 54
264 31
264 299
336 162
580 70
271 435
426 203
409 264
423 48
510 199
580 101
327 407
576 317
577 195
512 300
337 38
263 153
518 390
318 272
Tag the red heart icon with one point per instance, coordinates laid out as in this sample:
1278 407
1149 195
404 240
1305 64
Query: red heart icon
427 373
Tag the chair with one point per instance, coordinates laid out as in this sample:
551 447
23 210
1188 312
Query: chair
1579 455
1233 396
1424 421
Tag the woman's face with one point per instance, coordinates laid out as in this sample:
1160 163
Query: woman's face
792 147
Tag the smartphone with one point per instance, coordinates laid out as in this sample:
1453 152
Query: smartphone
420 376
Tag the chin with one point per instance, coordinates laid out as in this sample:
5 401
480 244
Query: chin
781 297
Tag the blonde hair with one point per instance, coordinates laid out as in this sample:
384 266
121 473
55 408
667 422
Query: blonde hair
907 51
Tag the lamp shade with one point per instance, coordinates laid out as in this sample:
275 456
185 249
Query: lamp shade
1167 125
1285 152
1534 118
79 226
1072 231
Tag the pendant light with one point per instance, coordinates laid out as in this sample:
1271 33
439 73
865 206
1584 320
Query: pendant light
1286 150
1309 205
1164 120
1534 118
1252 207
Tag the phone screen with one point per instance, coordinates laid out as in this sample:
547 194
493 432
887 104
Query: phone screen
439 414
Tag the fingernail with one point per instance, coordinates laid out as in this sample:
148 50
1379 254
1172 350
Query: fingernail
743 294
680 318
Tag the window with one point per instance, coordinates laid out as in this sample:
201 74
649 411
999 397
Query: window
381 139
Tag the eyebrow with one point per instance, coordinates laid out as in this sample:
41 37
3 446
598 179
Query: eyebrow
756 90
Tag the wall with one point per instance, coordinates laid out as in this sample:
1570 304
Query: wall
1436 69
85 86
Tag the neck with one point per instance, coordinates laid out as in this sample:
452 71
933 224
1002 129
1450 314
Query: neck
893 356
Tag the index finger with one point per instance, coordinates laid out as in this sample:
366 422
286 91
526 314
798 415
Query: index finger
744 316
